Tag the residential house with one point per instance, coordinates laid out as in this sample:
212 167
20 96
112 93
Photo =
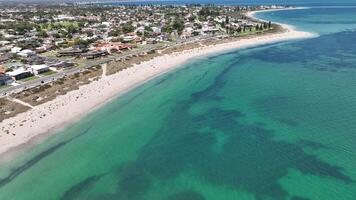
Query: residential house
131 37
4 43
43 48
125 47
35 60
62 64
140 29
151 41
70 52
39 69
5 57
94 54
16 49
5 79
128 38
19 74
5 49
156 30
108 47
59 42
26 53
162 37
14 66
187 32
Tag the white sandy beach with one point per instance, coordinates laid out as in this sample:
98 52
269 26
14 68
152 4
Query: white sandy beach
64 110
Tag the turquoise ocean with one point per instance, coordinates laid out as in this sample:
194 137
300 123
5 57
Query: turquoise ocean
274 122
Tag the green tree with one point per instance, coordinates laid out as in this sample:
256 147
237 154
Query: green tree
79 41
114 33
42 34
148 29
127 28
239 29
192 18
167 29
265 25
89 33
71 28
199 26
178 25
208 11
22 27
38 28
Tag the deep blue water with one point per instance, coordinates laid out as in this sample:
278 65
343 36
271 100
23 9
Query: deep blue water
318 19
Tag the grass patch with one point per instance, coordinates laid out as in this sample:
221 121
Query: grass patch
29 79
48 73
4 86
49 54
254 31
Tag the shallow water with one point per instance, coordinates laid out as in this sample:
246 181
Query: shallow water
272 122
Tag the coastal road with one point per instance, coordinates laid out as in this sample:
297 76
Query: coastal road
47 79
61 74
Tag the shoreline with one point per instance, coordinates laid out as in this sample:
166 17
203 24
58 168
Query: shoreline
27 129
251 15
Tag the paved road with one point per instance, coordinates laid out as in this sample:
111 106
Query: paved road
50 78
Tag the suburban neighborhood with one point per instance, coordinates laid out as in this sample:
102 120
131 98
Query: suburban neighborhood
40 41
49 50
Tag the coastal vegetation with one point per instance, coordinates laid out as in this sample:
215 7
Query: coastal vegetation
46 92
9 109
119 37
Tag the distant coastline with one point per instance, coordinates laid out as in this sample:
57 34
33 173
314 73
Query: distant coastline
50 117
251 15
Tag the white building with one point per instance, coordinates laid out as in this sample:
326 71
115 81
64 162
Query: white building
19 73
38 69
156 30
140 29
26 53
16 49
